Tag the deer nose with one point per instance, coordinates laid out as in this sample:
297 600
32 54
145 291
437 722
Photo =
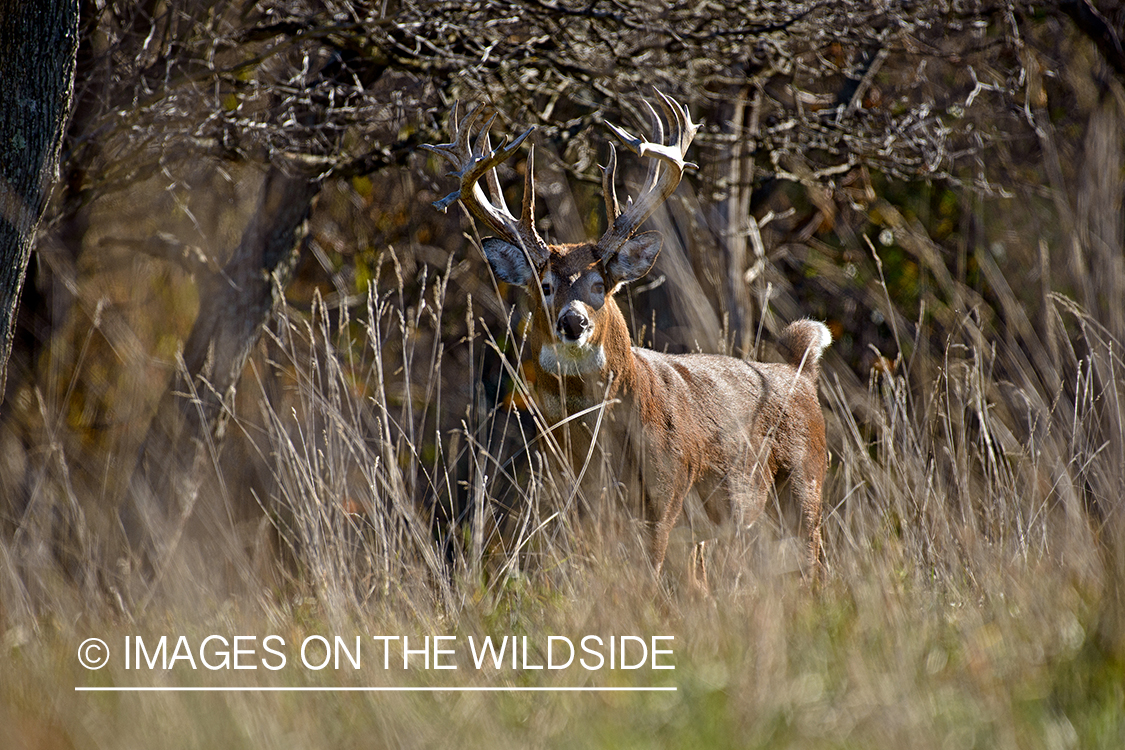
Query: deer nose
572 324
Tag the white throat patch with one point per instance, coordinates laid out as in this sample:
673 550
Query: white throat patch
572 359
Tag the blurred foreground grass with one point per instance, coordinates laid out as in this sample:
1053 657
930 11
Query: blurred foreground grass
881 658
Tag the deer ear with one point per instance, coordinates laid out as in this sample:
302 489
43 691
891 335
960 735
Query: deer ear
635 258
508 261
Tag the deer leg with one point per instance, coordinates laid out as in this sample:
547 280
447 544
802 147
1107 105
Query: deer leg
698 573
678 487
748 495
807 482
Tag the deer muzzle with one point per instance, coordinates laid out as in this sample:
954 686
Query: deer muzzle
573 324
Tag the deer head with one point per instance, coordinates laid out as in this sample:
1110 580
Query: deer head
576 327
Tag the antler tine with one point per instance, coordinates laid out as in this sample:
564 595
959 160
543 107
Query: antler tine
609 174
527 213
473 158
658 137
684 129
490 177
665 171
455 151
483 145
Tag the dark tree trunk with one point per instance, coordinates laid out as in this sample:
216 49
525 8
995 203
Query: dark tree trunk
38 41
46 298
235 306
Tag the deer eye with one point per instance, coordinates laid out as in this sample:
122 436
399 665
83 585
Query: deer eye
598 288
548 289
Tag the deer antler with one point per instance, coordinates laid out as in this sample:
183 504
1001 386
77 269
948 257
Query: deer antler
664 172
473 159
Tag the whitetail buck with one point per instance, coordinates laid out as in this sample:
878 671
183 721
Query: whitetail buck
723 425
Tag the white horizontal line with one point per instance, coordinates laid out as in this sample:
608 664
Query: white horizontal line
270 689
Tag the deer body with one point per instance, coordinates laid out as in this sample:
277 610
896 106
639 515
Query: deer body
684 420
